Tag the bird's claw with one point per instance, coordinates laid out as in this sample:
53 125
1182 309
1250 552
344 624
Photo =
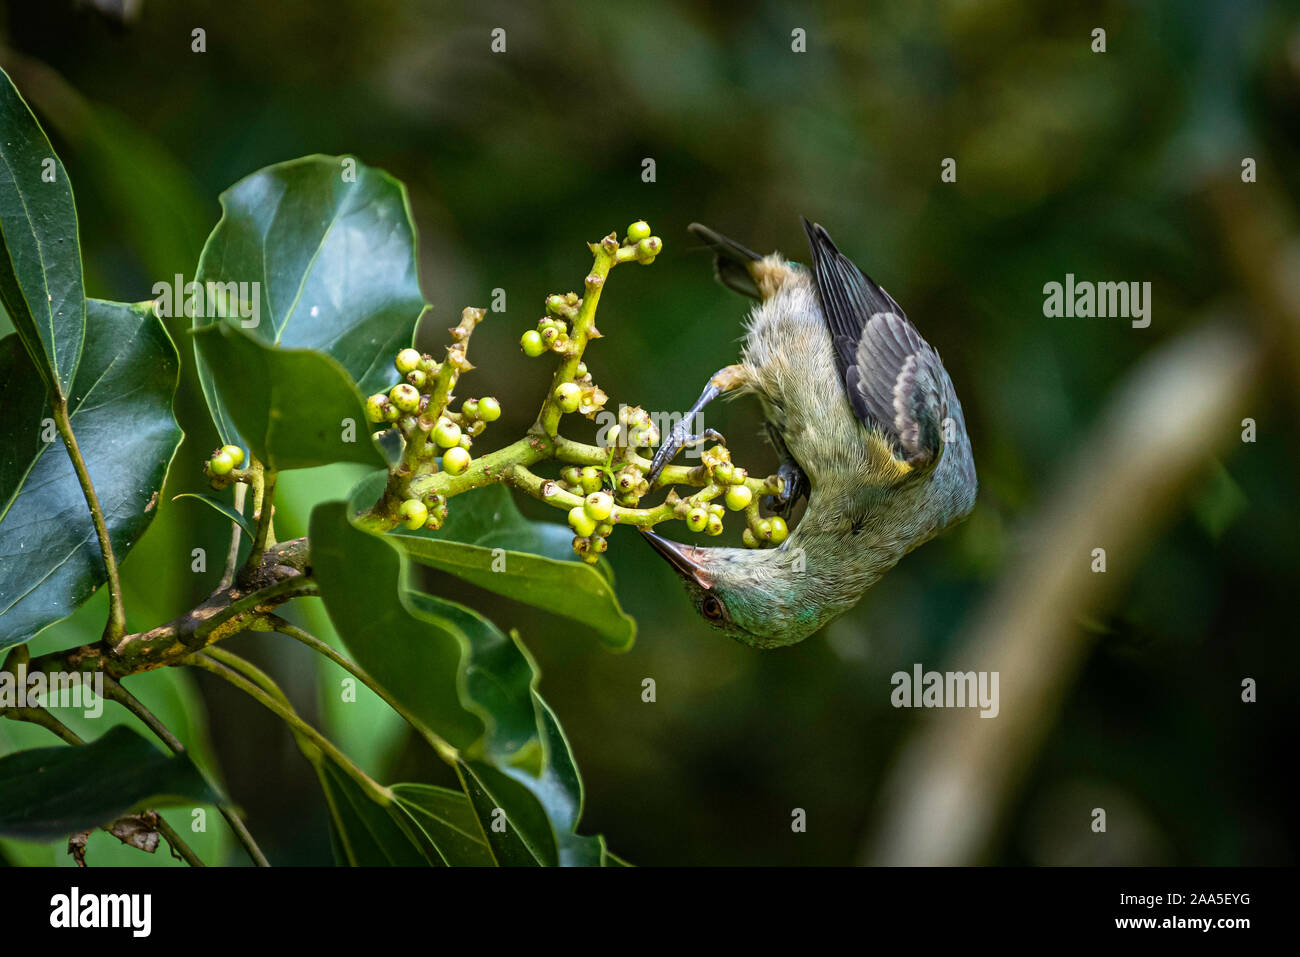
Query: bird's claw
678 439
794 484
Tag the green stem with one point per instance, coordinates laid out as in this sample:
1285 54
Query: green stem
373 789
176 842
232 556
39 716
290 630
115 692
264 513
116 626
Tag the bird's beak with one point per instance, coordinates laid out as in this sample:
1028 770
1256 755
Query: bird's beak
681 557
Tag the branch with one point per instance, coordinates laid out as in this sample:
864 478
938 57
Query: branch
116 626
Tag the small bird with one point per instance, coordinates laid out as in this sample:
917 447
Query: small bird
869 429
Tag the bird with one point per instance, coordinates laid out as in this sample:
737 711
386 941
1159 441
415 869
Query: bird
869 429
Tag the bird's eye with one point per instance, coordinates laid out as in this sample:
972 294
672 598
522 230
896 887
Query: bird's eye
711 608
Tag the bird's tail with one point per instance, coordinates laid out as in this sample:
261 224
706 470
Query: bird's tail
732 262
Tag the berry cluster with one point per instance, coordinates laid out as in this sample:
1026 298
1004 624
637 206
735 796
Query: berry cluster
224 461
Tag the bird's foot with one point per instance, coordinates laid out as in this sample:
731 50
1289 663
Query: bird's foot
679 438
794 485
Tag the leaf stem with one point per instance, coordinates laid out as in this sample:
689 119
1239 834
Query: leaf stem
232 557
116 626
177 843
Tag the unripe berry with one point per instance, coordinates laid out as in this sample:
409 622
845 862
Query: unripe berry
590 479
581 522
571 475
780 531
648 248
638 231
715 525
723 472
748 539
599 543
446 433
489 409
738 475
549 335
738 497
469 408
716 509
554 304
568 396
221 463
455 460
405 397
417 378
375 406
465 442
532 344
414 513
236 454
581 370
391 412
764 529
598 506
604 529
408 360
697 519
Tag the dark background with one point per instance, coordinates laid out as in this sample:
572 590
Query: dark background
1068 161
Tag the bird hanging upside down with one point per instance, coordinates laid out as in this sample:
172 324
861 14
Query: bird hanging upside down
869 429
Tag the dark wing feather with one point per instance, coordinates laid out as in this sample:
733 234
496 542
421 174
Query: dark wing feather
892 377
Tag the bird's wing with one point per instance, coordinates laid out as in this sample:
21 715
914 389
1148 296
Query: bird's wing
893 378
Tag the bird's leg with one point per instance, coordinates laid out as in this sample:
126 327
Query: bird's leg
724 380
794 484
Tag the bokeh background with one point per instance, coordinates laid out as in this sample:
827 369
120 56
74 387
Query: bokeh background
1122 165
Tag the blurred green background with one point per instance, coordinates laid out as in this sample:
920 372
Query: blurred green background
1067 161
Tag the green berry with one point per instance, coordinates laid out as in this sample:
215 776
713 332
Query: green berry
414 514
417 378
446 433
221 463
590 479
465 442
716 509
489 409
455 460
763 529
581 370
236 454
532 343
599 543
648 248
697 519
715 525
405 397
638 231
391 412
580 521
780 531
747 537
598 506
469 408
568 396
738 497
408 360
555 304
723 472
605 529
375 406
571 474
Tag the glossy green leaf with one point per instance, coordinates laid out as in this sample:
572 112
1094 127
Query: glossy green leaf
325 249
454 671
40 256
50 792
294 408
535 565
120 409
447 821
223 508
367 834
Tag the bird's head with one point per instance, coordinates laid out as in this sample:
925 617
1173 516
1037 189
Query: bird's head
756 596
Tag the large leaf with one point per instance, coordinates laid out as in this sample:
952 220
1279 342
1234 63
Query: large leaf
330 244
447 821
295 408
51 792
367 834
535 563
472 685
120 409
473 694
40 256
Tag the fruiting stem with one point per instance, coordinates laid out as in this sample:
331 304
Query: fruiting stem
263 514
607 254
116 626
232 556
